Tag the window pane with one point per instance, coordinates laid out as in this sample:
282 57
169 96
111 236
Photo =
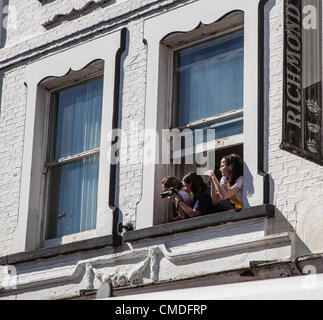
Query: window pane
73 207
79 119
228 127
209 78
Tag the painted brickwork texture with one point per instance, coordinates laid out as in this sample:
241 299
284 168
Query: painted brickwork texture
297 186
296 183
26 40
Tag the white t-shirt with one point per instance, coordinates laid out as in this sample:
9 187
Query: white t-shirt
239 183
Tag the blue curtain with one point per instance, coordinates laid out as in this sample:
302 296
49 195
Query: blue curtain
78 196
78 130
79 119
210 78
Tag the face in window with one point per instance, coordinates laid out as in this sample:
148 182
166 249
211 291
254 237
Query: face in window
224 169
164 188
186 187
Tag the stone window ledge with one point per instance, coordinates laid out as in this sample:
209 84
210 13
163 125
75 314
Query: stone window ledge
45 253
261 211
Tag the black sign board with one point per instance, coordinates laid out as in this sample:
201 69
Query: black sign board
302 98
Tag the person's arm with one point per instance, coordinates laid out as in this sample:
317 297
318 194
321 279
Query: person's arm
227 194
188 210
174 217
177 198
181 213
223 193
185 209
202 205
216 197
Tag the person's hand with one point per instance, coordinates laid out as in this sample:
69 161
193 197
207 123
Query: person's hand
182 215
209 173
175 197
172 197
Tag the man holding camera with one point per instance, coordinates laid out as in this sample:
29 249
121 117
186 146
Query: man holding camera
173 190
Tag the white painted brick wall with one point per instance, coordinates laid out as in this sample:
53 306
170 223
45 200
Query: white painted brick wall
295 179
133 122
12 121
291 175
29 34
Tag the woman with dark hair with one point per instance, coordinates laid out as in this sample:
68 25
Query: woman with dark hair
172 182
201 193
230 187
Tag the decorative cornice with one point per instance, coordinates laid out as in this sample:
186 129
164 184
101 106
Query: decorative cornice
123 276
74 13
26 50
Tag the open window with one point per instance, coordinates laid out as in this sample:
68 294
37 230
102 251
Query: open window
201 86
206 96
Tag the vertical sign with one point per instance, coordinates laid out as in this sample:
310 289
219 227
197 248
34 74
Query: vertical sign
302 100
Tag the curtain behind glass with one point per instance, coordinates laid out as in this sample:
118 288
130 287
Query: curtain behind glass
74 186
79 119
78 196
210 79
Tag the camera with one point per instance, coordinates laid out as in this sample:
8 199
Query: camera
168 193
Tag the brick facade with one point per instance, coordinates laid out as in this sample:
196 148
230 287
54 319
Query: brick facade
37 30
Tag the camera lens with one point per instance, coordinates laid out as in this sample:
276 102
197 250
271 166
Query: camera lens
166 194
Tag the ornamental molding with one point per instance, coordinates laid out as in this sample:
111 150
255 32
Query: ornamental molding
118 269
79 9
27 50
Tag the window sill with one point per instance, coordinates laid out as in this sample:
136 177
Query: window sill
45 253
166 229
71 238
261 211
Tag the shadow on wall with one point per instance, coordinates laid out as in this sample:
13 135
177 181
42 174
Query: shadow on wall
247 187
46 1
266 88
116 183
278 224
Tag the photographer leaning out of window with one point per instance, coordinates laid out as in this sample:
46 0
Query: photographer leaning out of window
201 193
169 184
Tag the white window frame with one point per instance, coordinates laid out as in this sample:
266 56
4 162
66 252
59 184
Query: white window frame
85 75
28 234
183 19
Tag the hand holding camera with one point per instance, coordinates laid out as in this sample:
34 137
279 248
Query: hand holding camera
169 193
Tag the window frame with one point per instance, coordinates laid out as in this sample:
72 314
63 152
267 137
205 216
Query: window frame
232 24
186 19
59 67
50 131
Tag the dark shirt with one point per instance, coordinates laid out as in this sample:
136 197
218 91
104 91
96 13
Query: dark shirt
203 202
